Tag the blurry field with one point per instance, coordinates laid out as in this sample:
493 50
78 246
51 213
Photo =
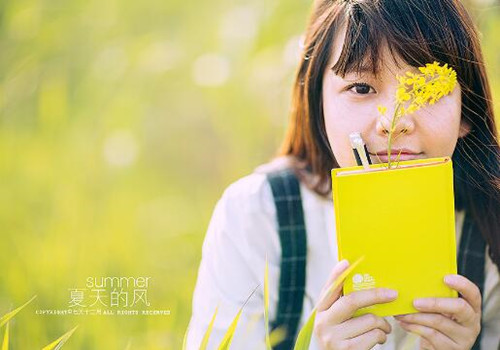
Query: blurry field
121 123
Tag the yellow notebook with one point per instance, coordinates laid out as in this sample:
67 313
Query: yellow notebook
403 222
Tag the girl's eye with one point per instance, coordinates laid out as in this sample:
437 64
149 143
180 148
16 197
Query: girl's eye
360 88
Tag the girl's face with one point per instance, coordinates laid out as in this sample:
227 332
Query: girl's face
350 105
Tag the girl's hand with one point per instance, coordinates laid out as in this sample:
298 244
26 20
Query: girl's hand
335 328
447 323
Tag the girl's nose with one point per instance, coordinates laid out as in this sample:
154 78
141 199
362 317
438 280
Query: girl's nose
403 125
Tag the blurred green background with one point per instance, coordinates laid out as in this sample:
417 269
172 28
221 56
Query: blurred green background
121 123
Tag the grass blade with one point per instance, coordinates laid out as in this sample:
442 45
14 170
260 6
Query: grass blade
266 305
5 318
277 336
305 334
184 340
5 343
228 337
341 278
58 343
204 342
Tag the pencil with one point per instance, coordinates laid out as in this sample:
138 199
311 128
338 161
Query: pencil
360 151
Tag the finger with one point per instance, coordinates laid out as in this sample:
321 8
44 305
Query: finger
344 308
437 339
367 340
439 322
467 289
363 324
326 300
459 308
425 345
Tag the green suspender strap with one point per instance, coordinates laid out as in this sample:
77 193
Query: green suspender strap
471 258
292 232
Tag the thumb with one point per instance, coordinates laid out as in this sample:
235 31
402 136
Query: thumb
328 295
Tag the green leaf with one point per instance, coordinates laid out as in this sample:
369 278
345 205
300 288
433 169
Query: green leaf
5 318
204 342
58 343
339 280
228 337
184 340
5 343
266 306
305 334
277 335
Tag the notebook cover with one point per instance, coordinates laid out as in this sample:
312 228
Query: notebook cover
403 222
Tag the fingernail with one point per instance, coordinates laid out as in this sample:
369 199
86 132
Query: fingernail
448 279
343 262
391 293
419 303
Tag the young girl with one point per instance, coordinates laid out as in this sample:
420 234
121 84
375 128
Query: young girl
353 51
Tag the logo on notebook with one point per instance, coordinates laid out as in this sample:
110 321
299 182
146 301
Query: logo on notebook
363 281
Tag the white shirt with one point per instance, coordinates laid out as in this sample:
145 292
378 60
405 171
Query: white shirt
243 230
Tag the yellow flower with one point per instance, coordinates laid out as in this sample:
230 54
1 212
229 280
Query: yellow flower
415 90
402 96
382 109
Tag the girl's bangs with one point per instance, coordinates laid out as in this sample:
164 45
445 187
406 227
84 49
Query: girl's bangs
369 29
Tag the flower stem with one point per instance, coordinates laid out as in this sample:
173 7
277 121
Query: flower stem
391 132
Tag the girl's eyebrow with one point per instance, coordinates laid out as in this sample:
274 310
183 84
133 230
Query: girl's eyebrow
362 69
